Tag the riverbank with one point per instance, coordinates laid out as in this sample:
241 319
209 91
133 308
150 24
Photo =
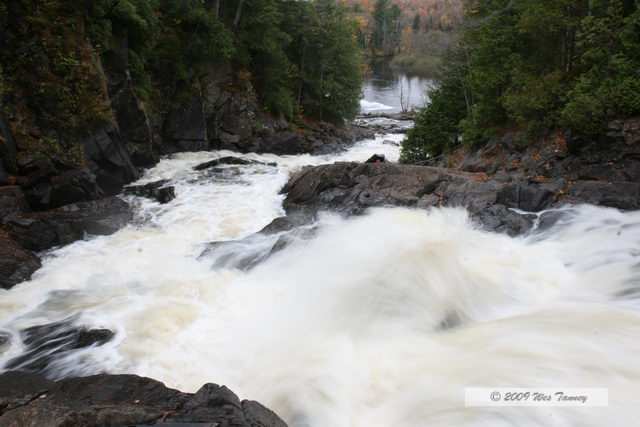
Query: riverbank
504 187
101 400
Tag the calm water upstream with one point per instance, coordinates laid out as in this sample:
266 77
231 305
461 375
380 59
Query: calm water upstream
387 91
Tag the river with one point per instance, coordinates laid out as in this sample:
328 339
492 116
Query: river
380 320
388 91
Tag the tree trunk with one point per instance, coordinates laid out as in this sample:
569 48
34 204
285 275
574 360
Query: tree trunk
236 20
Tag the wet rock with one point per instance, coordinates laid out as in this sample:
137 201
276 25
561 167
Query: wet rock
247 253
45 343
39 197
43 230
5 338
77 185
350 188
12 202
8 148
287 223
502 220
550 219
5 177
229 160
36 171
621 195
131 116
185 128
531 198
122 400
376 158
155 190
108 160
284 143
16 263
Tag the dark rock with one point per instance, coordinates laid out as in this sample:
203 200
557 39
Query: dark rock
376 158
502 220
8 148
229 160
122 400
531 198
45 343
108 160
39 197
5 177
37 171
621 195
12 202
5 338
550 219
16 263
155 190
185 128
43 230
351 188
286 223
131 116
258 415
247 253
284 143
134 127
77 185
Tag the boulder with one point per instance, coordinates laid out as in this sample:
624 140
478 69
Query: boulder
12 202
39 231
284 143
376 158
45 343
351 188
155 190
8 148
76 185
185 128
16 263
123 400
108 160
621 195
229 160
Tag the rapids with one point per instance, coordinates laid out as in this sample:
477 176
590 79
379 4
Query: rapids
380 320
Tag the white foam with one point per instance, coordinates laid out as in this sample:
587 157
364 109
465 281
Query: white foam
373 106
381 320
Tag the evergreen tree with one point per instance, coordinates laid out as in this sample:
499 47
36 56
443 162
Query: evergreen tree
535 65
415 26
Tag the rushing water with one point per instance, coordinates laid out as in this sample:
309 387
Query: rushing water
380 320
388 91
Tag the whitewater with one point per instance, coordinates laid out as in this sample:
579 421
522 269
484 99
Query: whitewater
382 319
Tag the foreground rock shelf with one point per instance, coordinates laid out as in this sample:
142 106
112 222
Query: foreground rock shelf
101 400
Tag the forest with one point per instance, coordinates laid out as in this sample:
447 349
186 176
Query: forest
302 58
415 33
532 66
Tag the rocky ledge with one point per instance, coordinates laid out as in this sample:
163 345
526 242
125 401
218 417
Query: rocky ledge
502 184
106 400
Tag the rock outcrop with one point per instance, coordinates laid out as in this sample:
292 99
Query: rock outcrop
23 232
110 400
158 190
496 199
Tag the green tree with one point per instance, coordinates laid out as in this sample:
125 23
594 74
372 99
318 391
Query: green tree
532 66
415 25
